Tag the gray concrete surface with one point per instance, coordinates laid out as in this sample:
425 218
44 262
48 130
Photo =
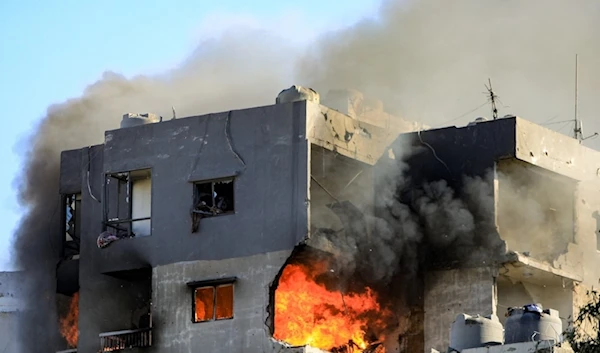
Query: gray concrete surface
246 332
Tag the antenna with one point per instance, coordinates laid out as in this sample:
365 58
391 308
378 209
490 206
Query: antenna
492 97
577 133
578 128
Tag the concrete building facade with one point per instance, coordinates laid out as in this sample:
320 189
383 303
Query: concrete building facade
163 213
540 191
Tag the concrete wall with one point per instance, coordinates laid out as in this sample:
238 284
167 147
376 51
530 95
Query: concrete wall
141 206
517 294
470 150
537 203
246 332
105 303
10 305
264 148
449 293
584 255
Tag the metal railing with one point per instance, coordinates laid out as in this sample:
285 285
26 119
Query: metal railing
119 340
74 350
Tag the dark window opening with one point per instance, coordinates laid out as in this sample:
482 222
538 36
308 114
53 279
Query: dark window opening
72 226
128 206
213 198
212 300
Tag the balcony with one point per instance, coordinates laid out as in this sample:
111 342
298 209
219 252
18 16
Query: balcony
126 339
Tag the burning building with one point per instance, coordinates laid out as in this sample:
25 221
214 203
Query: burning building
302 227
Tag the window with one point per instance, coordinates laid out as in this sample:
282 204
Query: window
212 300
212 198
128 205
72 225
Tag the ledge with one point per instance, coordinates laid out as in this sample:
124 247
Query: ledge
520 267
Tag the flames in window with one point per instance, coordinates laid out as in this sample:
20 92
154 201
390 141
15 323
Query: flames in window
310 313
69 323
213 303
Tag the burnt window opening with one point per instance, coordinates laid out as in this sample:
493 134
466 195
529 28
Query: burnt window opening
72 226
128 206
212 198
212 300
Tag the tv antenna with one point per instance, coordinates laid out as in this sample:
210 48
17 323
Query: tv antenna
492 98
577 129
578 126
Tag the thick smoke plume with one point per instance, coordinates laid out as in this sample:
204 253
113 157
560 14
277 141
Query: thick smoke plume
415 225
427 60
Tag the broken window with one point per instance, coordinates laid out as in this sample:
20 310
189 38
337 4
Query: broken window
72 225
212 198
128 205
212 300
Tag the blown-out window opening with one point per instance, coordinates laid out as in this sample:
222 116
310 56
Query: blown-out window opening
72 225
128 204
212 198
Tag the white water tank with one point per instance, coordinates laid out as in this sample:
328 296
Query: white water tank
134 119
297 93
475 331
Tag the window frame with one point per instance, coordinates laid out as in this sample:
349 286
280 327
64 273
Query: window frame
212 183
73 244
128 179
196 213
214 284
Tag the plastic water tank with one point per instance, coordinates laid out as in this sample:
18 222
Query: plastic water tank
297 93
524 326
475 331
132 119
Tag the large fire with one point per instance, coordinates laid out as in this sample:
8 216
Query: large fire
69 323
307 313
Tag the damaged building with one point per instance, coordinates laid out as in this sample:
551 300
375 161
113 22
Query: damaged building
309 227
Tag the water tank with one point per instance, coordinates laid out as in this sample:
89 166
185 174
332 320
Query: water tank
524 325
478 120
475 331
297 93
133 119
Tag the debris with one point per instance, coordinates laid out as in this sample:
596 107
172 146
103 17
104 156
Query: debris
106 238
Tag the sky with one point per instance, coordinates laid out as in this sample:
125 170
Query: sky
51 50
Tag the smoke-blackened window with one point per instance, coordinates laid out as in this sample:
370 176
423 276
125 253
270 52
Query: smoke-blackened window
212 300
212 198
128 203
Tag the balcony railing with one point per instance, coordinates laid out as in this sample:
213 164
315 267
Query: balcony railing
74 350
119 340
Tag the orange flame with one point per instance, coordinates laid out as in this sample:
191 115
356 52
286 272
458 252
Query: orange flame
307 313
68 323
